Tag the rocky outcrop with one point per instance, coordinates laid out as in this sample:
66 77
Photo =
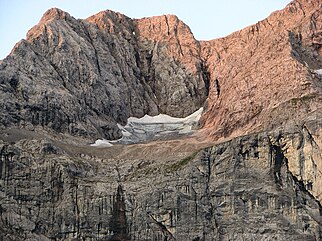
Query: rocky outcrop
176 71
262 76
258 187
83 76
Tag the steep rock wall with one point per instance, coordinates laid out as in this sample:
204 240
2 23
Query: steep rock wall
247 188
263 76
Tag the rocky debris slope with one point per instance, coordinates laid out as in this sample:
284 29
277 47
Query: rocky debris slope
258 187
82 77
263 75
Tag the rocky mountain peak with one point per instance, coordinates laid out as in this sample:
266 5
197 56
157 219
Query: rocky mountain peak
165 28
168 25
108 67
262 69
51 15
54 14
112 22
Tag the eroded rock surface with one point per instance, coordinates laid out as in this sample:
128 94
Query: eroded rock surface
250 188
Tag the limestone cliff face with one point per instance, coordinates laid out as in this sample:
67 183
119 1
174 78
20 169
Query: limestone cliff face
263 75
251 188
176 71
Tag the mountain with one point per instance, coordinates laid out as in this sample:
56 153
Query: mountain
252 170
82 77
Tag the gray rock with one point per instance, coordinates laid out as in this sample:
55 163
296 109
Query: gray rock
243 189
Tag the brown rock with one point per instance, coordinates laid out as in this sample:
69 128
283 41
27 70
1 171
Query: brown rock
262 76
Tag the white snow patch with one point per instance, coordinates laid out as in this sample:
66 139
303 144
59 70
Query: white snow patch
152 128
318 71
102 143
165 119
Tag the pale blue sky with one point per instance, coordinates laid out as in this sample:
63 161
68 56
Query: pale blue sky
208 19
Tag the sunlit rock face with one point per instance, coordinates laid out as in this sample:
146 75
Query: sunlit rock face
265 75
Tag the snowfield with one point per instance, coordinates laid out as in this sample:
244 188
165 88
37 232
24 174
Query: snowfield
318 71
102 143
150 128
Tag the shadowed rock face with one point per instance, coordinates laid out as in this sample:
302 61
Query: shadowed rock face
248 188
118 223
